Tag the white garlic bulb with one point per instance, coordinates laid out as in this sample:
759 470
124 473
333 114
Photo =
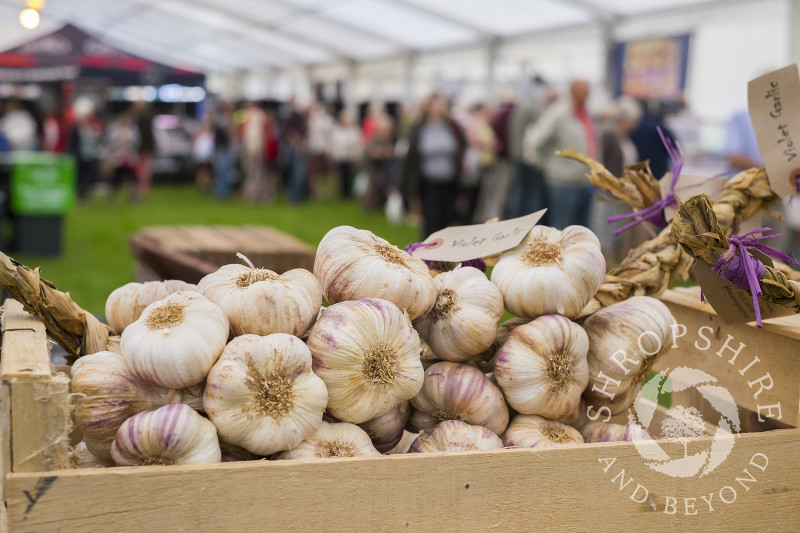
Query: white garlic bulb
625 339
353 264
579 416
259 301
455 436
125 304
262 395
551 272
542 367
387 430
454 391
463 320
333 440
368 355
532 431
81 457
175 341
107 393
604 432
171 435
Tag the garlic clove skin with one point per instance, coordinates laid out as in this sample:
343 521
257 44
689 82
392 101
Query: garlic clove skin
125 304
605 432
463 320
368 355
542 367
333 440
262 394
551 272
81 457
455 436
352 264
176 340
387 430
260 302
455 391
625 340
532 431
171 435
404 444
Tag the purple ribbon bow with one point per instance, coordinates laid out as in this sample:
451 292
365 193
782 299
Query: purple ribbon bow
655 212
439 265
744 271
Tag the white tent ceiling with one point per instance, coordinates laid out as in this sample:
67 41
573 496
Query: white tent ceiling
220 35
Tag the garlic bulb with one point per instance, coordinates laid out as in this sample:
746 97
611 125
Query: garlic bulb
368 355
387 430
463 320
262 395
81 457
171 435
603 432
454 391
551 272
259 301
176 340
353 264
542 367
625 339
579 416
532 431
125 304
107 393
333 440
455 436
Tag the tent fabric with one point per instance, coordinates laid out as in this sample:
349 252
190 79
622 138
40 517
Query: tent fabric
216 36
69 53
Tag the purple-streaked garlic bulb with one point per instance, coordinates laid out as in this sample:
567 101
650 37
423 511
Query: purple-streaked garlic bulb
368 355
455 436
542 367
262 394
463 320
107 393
605 432
455 391
352 264
485 359
387 430
171 435
551 272
625 340
532 431
259 301
339 439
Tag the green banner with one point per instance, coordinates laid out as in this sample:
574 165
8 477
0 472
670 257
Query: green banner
42 183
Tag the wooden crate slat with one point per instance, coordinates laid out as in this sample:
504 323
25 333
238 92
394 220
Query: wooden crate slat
24 349
503 490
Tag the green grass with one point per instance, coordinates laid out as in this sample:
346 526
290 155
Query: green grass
96 258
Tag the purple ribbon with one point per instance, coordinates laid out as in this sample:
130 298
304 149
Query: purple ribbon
655 212
744 271
439 265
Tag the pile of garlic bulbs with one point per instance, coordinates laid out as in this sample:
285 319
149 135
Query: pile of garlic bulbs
249 365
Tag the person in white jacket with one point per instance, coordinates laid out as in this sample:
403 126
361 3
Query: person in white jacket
565 124
346 150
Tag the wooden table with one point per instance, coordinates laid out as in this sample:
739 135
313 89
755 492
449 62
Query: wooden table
191 252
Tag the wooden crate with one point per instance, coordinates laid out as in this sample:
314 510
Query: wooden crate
576 488
191 252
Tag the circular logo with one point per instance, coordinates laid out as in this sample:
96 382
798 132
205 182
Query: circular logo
685 423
